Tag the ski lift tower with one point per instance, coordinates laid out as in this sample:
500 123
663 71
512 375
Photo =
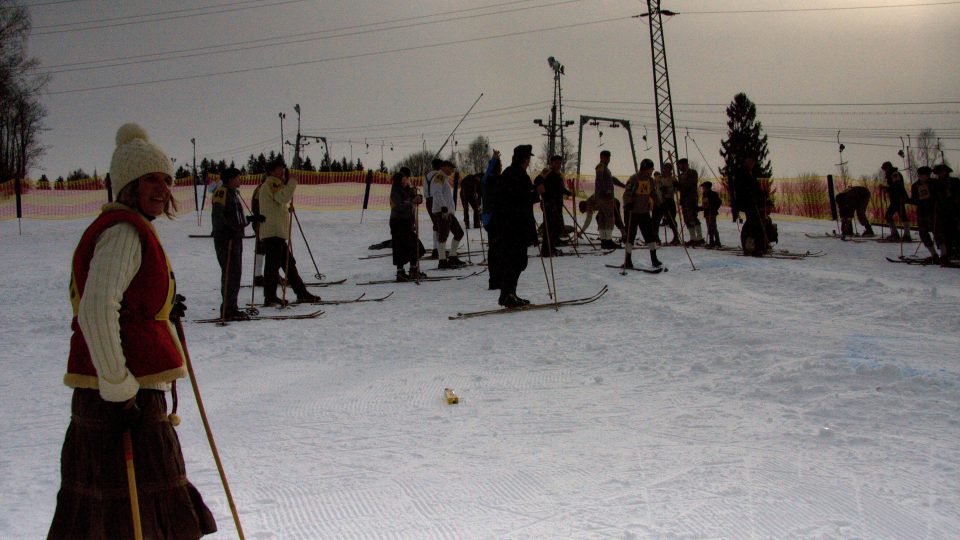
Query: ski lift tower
666 134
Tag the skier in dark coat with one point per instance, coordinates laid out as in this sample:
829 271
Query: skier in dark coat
406 246
229 222
948 212
488 191
854 201
513 224
550 186
897 193
924 194
750 199
711 209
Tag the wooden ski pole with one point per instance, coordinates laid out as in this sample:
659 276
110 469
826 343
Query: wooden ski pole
546 238
206 427
226 281
415 261
693 267
318 275
286 266
627 242
577 226
132 485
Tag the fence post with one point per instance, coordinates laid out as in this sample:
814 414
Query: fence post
833 200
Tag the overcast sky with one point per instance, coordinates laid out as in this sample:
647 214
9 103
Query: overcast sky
393 74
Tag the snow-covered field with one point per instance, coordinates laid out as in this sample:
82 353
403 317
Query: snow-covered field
753 398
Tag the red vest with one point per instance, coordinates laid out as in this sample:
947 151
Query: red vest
151 351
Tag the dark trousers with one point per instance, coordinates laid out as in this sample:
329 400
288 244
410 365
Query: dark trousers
897 208
553 221
666 209
230 257
644 223
469 204
494 261
846 220
713 233
404 242
514 262
276 258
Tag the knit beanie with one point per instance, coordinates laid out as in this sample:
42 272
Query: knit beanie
136 156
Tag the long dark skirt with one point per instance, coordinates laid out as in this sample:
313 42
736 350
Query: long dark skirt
94 500
403 241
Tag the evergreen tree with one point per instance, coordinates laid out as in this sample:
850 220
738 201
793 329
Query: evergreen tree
359 166
744 136
308 165
78 174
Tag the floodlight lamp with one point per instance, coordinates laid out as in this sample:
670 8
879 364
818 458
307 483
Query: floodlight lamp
297 108
551 61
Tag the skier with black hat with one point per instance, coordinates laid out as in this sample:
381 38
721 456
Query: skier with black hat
512 223
229 222
948 212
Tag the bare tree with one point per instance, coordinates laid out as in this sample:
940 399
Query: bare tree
478 154
21 113
928 148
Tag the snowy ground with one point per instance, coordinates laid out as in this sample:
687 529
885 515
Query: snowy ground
750 399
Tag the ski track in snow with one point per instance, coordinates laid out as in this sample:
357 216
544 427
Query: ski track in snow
753 398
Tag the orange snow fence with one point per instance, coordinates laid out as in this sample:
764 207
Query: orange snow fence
805 196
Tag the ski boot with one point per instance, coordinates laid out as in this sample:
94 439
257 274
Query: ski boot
403 276
307 298
510 300
628 261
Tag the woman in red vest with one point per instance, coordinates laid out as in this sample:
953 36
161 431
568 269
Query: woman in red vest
124 357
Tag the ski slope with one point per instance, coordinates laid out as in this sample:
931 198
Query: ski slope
752 398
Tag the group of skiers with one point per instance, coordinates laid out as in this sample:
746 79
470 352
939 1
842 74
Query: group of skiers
272 210
660 194
936 195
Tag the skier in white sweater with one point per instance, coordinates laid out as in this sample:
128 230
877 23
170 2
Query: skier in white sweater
441 186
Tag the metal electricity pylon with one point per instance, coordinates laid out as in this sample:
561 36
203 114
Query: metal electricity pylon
666 134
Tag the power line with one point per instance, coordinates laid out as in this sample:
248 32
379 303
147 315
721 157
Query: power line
345 57
801 10
170 18
141 16
862 104
350 31
41 4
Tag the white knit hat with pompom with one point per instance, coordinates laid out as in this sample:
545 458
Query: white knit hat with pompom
136 156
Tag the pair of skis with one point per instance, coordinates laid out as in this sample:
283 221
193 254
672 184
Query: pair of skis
857 239
644 269
312 284
924 261
299 316
424 279
360 299
531 307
